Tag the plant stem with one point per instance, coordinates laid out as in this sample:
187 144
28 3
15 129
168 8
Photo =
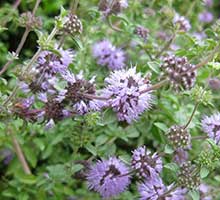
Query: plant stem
200 137
154 87
166 46
193 112
90 96
20 154
28 67
16 4
206 60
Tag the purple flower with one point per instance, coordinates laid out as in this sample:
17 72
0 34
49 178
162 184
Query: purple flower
214 83
205 192
206 17
180 156
211 126
6 155
108 177
124 92
182 23
208 3
145 164
178 194
151 189
108 55
49 63
79 93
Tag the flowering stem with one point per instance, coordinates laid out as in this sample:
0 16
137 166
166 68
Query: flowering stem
191 117
23 39
200 137
207 59
20 154
90 96
166 46
154 87
16 4
28 67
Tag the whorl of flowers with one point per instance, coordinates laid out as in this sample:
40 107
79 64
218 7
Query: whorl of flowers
178 194
180 156
188 178
108 55
77 91
73 25
109 7
179 137
206 17
124 92
211 126
151 189
178 71
142 32
145 164
49 65
182 23
108 177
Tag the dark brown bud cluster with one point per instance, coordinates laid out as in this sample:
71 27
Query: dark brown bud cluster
142 32
179 137
73 25
188 177
30 21
178 71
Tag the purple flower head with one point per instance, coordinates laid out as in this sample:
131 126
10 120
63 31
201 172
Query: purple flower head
208 3
211 126
6 155
50 63
206 17
145 164
124 92
214 83
108 55
108 177
180 156
151 189
178 194
205 192
112 7
79 93
182 23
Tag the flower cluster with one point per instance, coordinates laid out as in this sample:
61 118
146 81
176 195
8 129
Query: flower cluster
124 91
109 7
108 55
178 70
182 23
62 93
108 177
146 165
142 32
179 137
111 177
73 25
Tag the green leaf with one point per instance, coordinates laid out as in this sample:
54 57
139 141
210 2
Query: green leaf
204 172
57 171
91 149
194 194
214 65
27 179
172 166
161 126
101 139
168 149
154 66
30 153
